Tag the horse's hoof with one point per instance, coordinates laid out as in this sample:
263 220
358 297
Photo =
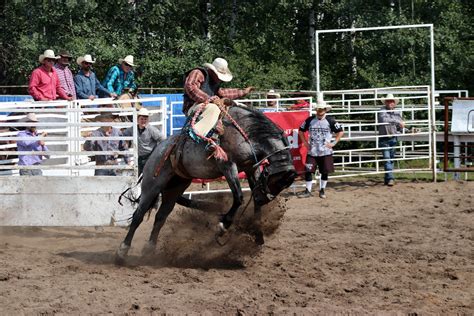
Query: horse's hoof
221 228
149 249
121 254
259 240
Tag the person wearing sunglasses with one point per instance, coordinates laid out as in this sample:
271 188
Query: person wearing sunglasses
86 82
44 82
120 77
65 76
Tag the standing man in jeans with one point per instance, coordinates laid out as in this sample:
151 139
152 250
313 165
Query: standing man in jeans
390 124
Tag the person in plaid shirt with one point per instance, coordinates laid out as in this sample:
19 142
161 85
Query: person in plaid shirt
119 77
203 84
65 76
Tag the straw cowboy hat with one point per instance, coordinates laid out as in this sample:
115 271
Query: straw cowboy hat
47 54
143 112
128 60
272 93
30 117
106 117
220 67
86 58
390 97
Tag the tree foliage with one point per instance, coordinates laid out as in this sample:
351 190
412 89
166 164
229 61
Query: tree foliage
267 43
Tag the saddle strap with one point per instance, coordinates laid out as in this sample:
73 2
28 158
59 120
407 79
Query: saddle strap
165 157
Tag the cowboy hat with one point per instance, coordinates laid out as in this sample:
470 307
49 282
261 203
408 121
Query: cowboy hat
220 67
128 60
30 117
390 97
106 116
65 54
86 58
272 93
47 54
320 103
143 112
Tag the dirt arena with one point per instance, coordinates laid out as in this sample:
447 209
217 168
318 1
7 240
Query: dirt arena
365 249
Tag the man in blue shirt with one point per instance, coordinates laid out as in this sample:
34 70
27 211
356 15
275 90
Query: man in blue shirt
120 76
86 82
30 145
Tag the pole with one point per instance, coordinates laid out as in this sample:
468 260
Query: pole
433 107
318 88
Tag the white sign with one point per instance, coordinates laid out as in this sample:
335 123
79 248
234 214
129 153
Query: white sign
463 116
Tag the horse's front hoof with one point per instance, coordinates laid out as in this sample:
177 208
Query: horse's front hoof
259 240
121 254
221 230
149 249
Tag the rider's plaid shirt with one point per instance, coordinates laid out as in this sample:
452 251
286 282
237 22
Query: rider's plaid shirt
193 83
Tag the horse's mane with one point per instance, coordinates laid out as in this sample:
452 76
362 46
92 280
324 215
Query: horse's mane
258 125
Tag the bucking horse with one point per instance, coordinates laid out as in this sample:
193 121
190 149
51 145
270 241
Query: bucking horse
252 143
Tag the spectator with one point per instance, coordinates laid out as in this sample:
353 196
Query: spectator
202 84
65 75
86 82
44 82
320 148
272 95
148 137
119 77
300 105
390 123
31 145
109 159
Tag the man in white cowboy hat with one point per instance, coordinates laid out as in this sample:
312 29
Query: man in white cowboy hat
119 77
202 84
271 94
65 76
390 123
44 82
320 146
148 137
86 82
30 145
104 144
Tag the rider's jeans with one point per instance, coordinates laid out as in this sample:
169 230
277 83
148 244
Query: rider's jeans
388 154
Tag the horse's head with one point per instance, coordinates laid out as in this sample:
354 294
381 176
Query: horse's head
274 171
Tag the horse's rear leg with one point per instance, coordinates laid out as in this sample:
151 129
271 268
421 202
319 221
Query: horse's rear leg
169 197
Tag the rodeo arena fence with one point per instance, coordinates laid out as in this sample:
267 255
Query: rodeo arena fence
67 194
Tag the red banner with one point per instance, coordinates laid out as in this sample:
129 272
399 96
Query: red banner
290 122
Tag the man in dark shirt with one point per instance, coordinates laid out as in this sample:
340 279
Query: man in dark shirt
320 147
86 82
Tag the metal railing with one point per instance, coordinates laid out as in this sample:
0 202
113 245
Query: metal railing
69 125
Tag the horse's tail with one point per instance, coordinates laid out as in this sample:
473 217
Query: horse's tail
131 197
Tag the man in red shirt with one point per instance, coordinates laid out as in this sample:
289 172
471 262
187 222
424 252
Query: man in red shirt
203 84
44 82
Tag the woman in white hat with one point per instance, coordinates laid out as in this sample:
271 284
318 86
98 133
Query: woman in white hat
202 84
44 82
87 84
320 147
119 77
